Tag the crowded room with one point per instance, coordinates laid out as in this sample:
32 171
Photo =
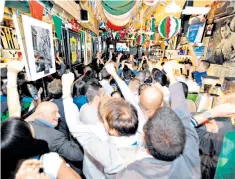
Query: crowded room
117 89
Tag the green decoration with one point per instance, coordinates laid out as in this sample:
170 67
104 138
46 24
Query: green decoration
110 7
58 24
226 163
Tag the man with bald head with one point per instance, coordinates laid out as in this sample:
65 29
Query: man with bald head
46 118
149 103
150 100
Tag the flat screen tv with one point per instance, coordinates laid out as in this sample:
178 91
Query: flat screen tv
122 47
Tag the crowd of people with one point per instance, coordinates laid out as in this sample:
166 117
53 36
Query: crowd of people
123 118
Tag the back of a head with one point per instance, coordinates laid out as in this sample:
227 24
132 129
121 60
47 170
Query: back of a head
88 76
185 88
127 74
151 98
165 135
92 91
55 89
79 89
17 143
134 85
141 76
155 70
160 78
105 75
4 88
120 115
145 66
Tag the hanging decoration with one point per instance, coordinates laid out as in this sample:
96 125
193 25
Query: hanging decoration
168 27
140 39
123 34
36 9
102 25
114 27
119 17
117 22
153 28
131 28
151 2
58 24
118 7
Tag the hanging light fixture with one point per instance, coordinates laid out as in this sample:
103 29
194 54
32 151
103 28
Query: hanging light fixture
173 7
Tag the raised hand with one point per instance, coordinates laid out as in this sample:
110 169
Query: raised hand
110 68
67 80
15 67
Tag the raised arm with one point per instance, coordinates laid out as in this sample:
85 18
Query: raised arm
126 92
193 54
108 155
222 110
179 105
13 100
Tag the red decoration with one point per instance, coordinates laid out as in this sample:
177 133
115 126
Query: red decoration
114 27
36 9
75 25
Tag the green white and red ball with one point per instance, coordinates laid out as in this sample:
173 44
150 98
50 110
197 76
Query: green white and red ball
168 27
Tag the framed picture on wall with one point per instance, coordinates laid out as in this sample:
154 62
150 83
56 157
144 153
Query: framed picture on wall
209 30
75 49
195 32
88 51
36 44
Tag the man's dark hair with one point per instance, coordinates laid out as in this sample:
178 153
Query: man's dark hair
127 74
205 63
4 88
165 135
161 78
155 70
92 91
105 75
185 88
120 115
89 75
79 89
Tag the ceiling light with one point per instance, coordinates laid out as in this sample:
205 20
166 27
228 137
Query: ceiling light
196 10
173 7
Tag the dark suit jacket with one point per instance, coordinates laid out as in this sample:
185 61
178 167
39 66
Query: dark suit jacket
57 142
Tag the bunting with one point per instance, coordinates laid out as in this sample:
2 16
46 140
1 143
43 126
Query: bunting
36 9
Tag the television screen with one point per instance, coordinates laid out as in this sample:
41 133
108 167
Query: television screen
122 47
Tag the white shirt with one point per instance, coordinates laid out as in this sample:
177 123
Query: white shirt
89 114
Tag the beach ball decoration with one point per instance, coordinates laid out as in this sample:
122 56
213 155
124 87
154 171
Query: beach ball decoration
168 27
140 39
151 2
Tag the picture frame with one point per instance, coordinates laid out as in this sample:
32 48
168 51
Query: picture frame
209 30
88 49
37 46
195 32
75 48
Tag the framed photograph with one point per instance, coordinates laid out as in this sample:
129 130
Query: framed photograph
75 50
221 48
40 50
88 51
209 30
195 32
